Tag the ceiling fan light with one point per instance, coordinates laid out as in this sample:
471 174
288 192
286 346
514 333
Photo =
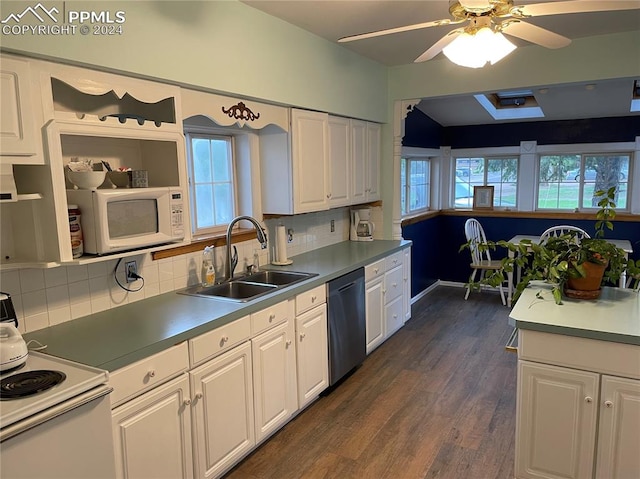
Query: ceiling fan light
474 51
463 51
500 48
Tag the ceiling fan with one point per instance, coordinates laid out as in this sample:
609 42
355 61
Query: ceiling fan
482 39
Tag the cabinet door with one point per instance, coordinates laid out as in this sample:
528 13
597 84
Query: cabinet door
339 161
17 128
619 429
152 433
373 162
394 316
222 392
374 308
358 161
309 154
555 422
274 379
312 354
406 294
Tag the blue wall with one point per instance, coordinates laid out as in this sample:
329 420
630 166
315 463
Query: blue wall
436 242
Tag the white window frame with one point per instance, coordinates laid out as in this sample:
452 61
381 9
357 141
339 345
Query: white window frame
193 133
584 150
486 156
408 159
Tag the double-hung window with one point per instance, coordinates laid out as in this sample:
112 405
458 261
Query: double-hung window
501 173
415 185
569 181
211 182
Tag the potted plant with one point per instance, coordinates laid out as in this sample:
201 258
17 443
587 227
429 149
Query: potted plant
574 268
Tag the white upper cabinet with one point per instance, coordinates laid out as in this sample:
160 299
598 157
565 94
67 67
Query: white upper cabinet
365 161
18 138
309 152
339 161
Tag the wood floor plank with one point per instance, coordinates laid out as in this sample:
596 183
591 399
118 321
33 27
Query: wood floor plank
437 399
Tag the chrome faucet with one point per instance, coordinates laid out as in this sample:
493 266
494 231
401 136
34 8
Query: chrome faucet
260 235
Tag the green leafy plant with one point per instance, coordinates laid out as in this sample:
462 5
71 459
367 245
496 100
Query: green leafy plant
563 257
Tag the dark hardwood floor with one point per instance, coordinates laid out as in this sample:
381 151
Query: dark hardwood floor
437 399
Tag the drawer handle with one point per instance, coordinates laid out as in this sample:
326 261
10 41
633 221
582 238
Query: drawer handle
272 317
151 373
608 404
186 402
588 399
198 395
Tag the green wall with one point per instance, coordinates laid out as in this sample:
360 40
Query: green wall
224 46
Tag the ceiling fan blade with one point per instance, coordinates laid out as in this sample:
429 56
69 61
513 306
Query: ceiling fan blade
439 46
575 6
535 34
406 28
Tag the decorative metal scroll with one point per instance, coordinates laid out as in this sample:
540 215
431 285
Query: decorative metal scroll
241 112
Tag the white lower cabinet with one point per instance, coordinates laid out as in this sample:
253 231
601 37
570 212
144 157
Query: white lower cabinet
387 296
619 429
223 421
152 433
274 378
556 427
312 350
374 307
573 418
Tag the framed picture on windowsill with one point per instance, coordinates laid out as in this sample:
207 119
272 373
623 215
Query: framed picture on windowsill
483 197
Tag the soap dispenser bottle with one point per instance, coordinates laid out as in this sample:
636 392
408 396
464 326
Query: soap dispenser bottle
208 270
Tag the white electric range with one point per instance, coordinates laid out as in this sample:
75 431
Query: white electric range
66 415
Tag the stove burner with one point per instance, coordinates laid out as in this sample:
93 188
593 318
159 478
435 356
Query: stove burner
28 383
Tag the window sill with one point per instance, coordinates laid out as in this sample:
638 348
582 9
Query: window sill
237 236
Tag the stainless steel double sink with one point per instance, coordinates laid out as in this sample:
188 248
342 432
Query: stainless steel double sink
252 286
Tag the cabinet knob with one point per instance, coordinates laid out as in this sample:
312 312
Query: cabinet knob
375 270
287 343
225 339
272 317
395 285
151 373
302 336
313 298
187 401
329 196
198 395
608 404
588 399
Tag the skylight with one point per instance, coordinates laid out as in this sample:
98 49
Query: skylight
511 105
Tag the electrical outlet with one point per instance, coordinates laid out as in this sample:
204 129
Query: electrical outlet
131 271
333 226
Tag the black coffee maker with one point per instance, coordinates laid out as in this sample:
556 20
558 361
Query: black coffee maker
7 311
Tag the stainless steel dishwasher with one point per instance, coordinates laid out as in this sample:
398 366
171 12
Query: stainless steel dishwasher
347 328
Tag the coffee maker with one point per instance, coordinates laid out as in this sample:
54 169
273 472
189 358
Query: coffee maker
361 226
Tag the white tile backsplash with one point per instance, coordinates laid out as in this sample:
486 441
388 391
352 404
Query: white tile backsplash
46 297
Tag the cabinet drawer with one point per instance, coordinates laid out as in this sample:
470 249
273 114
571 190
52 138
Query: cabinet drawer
393 260
214 342
147 373
604 357
393 284
310 299
268 317
374 270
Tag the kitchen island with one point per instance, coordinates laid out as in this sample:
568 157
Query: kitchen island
578 401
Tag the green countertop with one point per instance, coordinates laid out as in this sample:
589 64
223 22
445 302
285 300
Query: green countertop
615 316
120 336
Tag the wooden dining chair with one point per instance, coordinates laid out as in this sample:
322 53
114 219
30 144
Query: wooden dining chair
556 231
480 259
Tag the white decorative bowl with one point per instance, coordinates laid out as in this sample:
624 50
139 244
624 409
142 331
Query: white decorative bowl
86 180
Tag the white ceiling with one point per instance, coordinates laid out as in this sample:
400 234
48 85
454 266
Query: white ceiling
333 19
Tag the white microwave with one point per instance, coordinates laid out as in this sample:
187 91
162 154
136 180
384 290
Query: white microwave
124 219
